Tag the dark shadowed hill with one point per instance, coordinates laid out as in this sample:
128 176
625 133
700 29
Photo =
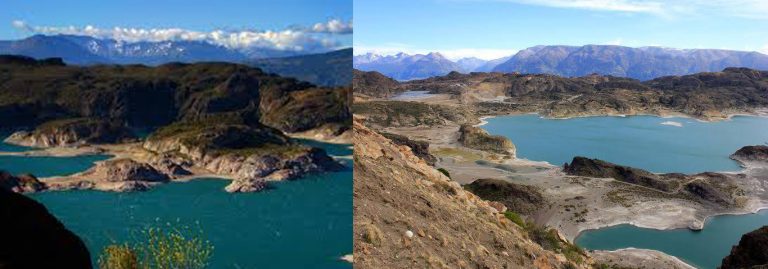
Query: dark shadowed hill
35 91
33 238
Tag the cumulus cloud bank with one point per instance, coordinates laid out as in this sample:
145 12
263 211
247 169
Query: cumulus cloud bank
320 35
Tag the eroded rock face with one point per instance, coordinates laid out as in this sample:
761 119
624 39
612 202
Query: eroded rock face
477 138
757 153
750 253
419 148
123 170
517 198
21 183
33 238
72 132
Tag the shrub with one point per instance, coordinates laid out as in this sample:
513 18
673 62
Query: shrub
161 247
445 172
118 257
514 217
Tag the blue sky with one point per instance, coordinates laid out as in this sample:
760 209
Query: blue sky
21 18
494 28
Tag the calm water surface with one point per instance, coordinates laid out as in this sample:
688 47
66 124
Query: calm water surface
704 249
652 143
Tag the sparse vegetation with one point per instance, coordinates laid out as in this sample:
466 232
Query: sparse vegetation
162 247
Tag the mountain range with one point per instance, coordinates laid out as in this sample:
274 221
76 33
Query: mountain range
641 63
324 68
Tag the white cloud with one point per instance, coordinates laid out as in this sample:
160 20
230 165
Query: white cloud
754 9
317 37
452 54
333 26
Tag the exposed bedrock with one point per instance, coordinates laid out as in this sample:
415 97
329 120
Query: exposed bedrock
72 132
518 198
477 138
419 148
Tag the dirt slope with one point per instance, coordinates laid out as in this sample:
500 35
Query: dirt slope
409 215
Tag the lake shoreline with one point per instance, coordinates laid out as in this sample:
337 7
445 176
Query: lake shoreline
94 177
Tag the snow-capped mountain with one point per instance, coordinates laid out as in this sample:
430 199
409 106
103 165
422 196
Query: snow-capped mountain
403 66
89 50
640 63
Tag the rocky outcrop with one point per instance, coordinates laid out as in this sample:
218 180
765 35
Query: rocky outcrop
708 187
586 167
419 148
246 154
119 175
477 138
247 185
119 170
749 154
517 198
72 132
374 84
21 183
750 253
409 215
33 238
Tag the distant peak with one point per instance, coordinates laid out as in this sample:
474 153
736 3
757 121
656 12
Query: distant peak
435 55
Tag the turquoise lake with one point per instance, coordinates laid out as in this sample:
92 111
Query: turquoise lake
646 142
652 143
305 223
704 249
